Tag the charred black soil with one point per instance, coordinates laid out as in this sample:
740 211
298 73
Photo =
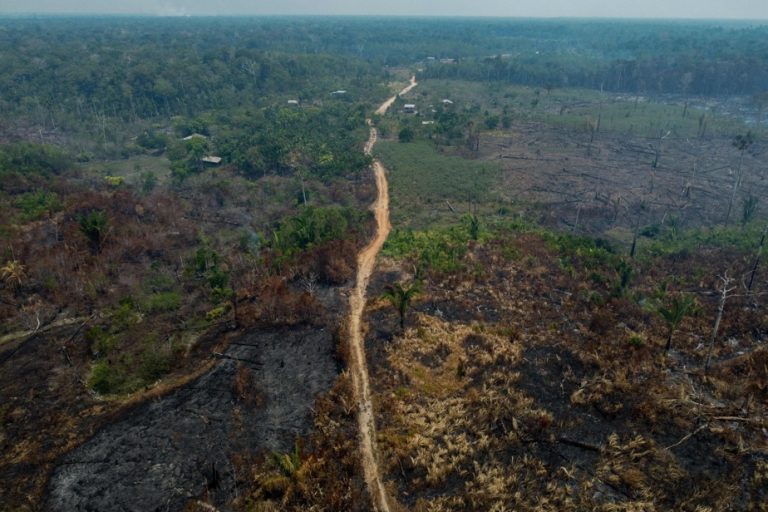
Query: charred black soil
163 453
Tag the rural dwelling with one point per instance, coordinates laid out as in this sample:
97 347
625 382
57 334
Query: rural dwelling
293 103
195 136
212 160
340 92
447 102
409 108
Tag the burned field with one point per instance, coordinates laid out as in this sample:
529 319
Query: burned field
533 384
618 182
589 332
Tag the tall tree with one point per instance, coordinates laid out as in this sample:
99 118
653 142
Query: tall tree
401 297
95 226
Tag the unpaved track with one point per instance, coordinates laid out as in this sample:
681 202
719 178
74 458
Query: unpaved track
366 261
385 106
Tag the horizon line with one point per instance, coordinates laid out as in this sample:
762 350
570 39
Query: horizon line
65 14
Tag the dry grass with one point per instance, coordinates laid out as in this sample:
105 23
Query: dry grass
538 406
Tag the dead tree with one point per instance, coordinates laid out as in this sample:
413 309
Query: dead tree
725 292
687 186
657 149
636 230
742 143
576 222
757 260
733 197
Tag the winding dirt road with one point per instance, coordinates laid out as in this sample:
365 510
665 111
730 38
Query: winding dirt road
366 261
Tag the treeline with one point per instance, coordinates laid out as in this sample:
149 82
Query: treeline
685 73
702 58
65 73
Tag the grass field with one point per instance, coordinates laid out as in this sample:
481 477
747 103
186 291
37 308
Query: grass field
133 169
424 182
577 108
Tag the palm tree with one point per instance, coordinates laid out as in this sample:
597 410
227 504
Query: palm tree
14 274
674 314
292 474
95 226
401 298
473 225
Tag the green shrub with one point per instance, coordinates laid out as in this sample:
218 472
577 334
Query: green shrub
314 226
636 340
102 378
440 250
148 181
26 158
35 205
155 364
101 341
406 135
163 302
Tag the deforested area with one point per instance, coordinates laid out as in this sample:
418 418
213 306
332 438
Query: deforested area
425 263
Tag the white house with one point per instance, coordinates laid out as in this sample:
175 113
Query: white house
211 160
409 108
194 136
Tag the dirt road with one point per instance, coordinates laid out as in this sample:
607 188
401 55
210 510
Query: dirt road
366 261
385 106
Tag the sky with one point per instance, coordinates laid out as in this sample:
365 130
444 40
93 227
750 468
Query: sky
713 9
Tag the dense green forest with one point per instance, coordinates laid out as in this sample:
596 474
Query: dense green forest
62 70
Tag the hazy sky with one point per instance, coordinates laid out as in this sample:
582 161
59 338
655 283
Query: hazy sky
742 9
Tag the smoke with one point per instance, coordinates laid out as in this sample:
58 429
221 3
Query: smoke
169 8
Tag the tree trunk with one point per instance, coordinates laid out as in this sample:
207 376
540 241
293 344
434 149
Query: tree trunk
738 173
757 259
720 310
634 241
733 197
669 340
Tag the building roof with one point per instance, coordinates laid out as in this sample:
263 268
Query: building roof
212 159
293 102
195 136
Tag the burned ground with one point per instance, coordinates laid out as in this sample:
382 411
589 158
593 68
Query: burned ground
612 183
164 453
543 407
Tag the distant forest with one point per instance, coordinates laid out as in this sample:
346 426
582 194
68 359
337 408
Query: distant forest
147 67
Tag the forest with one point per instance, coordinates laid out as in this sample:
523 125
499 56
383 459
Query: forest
202 306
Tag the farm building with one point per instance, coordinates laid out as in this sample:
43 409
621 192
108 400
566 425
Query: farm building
195 136
212 160
409 108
